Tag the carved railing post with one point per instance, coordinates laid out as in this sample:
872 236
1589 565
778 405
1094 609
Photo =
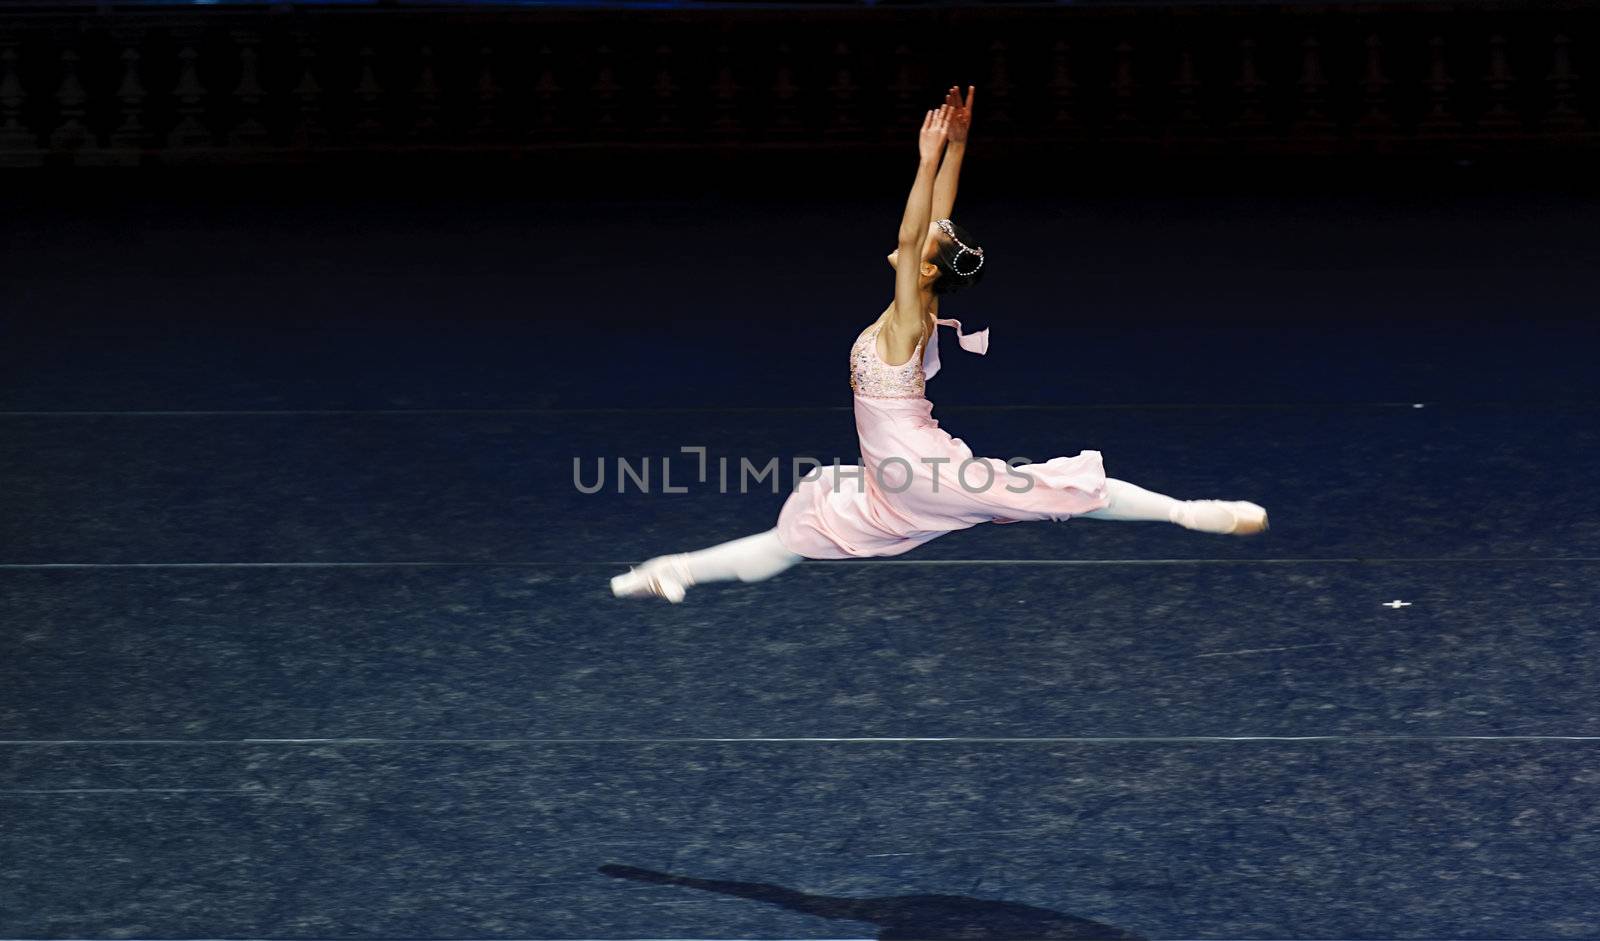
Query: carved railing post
904 118
1498 115
189 133
785 124
1250 113
1440 119
604 93
843 121
1563 116
667 123
308 131
1187 121
370 126
1124 118
1064 113
546 124
725 90
128 140
1376 119
427 101
1313 121
19 145
70 134
249 131
486 126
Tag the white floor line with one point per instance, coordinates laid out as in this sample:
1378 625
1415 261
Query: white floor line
1353 560
763 409
1044 740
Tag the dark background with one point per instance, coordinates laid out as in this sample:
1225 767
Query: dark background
1146 164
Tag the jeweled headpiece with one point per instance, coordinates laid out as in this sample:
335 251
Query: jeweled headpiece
955 263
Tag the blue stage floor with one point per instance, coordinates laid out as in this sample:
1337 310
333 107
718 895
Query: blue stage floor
307 631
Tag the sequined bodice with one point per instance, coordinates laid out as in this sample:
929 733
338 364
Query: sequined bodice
873 378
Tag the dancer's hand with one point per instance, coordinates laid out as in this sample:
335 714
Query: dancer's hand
935 128
960 113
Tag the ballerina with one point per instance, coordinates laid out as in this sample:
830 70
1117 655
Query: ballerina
916 482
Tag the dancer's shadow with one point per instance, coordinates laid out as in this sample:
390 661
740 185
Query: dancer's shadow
908 917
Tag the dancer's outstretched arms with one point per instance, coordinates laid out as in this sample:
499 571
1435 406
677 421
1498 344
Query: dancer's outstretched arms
955 148
904 328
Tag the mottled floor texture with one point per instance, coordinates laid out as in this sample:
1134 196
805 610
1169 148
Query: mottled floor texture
305 631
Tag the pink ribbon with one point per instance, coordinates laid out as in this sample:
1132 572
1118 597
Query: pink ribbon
972 343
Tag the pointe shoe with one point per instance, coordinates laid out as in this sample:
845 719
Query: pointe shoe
652 578
1248 518
1225 517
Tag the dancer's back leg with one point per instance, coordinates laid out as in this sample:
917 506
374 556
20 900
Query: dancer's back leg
751 558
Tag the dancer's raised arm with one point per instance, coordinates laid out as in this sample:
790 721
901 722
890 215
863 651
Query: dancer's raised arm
955 148
907 321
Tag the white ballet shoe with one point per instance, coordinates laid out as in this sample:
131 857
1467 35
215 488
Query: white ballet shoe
1225 517
653 578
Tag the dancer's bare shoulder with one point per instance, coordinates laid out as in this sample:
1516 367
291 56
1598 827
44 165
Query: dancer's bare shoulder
894 349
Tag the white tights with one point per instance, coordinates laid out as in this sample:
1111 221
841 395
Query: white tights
761 556
748 559
1132 502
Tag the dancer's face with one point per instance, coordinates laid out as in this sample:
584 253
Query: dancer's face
930 250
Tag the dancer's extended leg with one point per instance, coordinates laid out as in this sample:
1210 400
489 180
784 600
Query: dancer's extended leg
747 559
1132 502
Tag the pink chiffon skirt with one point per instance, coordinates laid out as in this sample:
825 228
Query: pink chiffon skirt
916 482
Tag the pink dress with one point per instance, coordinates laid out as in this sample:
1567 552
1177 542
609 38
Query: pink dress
916 482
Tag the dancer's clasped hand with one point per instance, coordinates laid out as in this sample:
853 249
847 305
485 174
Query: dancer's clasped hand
935 130
960 113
